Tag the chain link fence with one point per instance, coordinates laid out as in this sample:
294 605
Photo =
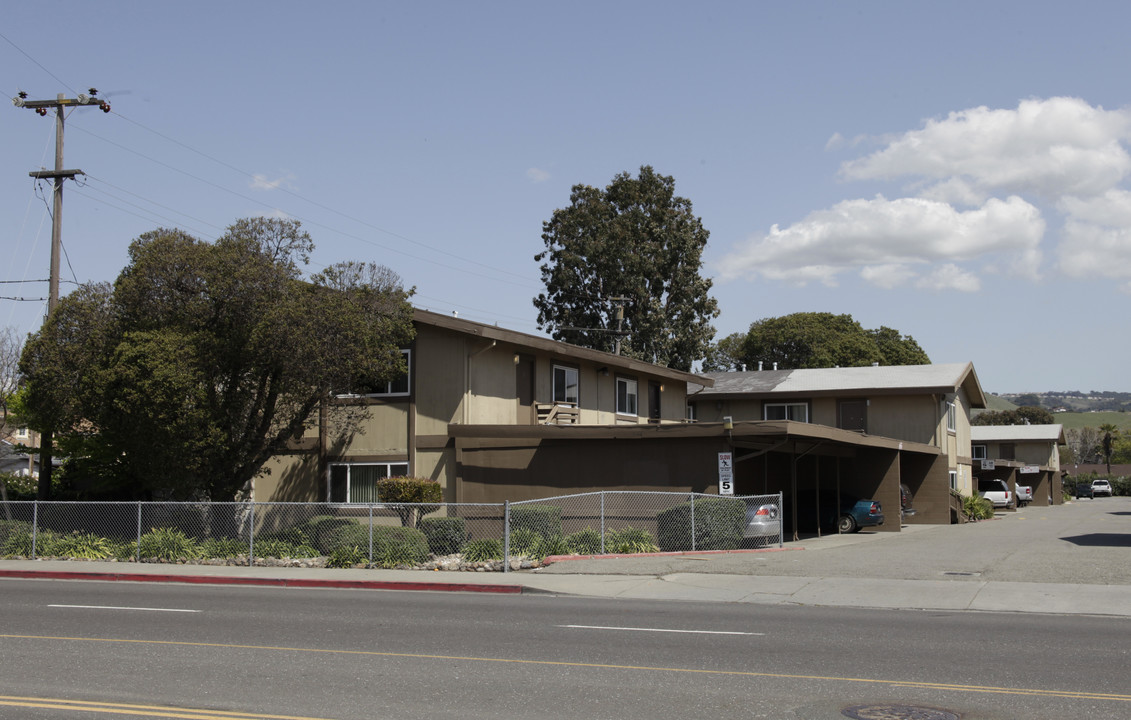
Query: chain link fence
440 535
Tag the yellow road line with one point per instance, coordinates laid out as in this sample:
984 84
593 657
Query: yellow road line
152 711
989 689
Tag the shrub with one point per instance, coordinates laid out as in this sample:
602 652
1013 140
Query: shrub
277 548
86 546
393 546
345 556
718 525
630 540
545 520
319 529
524 541
584 542
977 508
414 490
480 550
552 545
222 548
445 535
13 527
168 545
294 535
348 535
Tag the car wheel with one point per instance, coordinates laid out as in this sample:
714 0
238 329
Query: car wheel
846 524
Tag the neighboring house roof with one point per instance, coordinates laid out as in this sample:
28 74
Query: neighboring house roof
1017 433
556 347
885 379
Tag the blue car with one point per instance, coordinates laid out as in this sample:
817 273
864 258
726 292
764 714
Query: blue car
852 514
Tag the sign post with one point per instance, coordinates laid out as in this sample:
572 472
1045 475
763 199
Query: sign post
726 474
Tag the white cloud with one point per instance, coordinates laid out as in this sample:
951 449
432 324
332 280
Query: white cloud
888 276
1096 239
950 277
537 175
262 182
1053 147
881 236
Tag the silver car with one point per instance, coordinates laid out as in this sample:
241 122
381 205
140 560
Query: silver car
762 521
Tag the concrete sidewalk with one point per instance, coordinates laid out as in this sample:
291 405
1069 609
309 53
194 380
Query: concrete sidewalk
926 567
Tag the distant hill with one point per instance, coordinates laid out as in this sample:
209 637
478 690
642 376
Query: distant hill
997 403
1073 401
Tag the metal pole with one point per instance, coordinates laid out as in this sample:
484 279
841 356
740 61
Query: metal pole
370 533
506 535
692 521
602 522
137 555
34 527
251 538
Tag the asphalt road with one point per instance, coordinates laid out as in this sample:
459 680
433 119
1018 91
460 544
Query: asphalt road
200 651
1086 542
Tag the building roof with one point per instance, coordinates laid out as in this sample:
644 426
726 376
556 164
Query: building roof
556 347
873 380
1017 433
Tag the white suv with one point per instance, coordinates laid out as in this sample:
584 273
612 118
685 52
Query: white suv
1101 487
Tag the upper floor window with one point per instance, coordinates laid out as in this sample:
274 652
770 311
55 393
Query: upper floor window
626 396
400 385
979 452
565 385
692 412
798 412
951 416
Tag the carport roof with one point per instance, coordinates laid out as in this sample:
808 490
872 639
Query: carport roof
886 380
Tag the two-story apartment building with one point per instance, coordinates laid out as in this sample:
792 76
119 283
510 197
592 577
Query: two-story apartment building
1021 455
928 405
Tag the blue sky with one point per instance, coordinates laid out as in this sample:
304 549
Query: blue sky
956 171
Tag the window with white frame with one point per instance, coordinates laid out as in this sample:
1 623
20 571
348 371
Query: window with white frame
979 452
951 416
398 386
692 412
626 396
565 385
22 433
953 479
797 412
357 482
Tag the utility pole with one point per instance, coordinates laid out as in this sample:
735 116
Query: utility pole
618 315
60 103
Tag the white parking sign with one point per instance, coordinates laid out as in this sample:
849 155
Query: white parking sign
726 474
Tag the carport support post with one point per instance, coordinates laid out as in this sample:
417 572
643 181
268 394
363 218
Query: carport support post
506 535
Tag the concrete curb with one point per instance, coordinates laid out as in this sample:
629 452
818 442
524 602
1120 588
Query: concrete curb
272 582
551 559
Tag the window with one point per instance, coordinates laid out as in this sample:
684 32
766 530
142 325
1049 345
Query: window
357 482
979 452
798 412
626 396
692 412
22 433
951 416
400 385
565 385
953 479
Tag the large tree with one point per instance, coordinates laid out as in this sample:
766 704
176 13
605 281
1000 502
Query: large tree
635 245
204 359
824 340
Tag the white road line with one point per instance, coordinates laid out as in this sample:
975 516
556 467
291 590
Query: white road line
667 630
110 607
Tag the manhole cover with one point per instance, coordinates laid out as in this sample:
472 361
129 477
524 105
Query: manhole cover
896 712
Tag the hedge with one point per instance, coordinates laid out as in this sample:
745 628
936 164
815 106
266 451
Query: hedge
719 524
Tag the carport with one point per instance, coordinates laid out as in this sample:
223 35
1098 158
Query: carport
496 463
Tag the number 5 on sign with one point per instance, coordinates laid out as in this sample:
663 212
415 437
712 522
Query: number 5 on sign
726 474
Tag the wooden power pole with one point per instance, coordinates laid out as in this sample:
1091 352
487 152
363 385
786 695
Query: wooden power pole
60 104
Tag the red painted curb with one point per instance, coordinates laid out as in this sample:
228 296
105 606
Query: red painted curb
272 582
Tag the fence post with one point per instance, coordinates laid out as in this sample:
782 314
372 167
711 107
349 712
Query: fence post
506 535
137 548
371 533
34 527
602 522
251 536
692 497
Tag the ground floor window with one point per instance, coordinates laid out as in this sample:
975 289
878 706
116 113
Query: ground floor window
357 482
953 479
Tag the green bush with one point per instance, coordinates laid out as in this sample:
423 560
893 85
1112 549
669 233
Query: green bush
412 494
446 535
13 527
394 546
346 556
86 546
347 535
630 540
319 529
480 550
977 508
168 545
276 548
524 541
222 548
294 535
545 520
584 542
552 545
719 523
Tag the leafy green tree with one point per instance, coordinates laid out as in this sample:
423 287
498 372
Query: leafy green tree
634 243
725 355
1017 416
203 360
825 340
